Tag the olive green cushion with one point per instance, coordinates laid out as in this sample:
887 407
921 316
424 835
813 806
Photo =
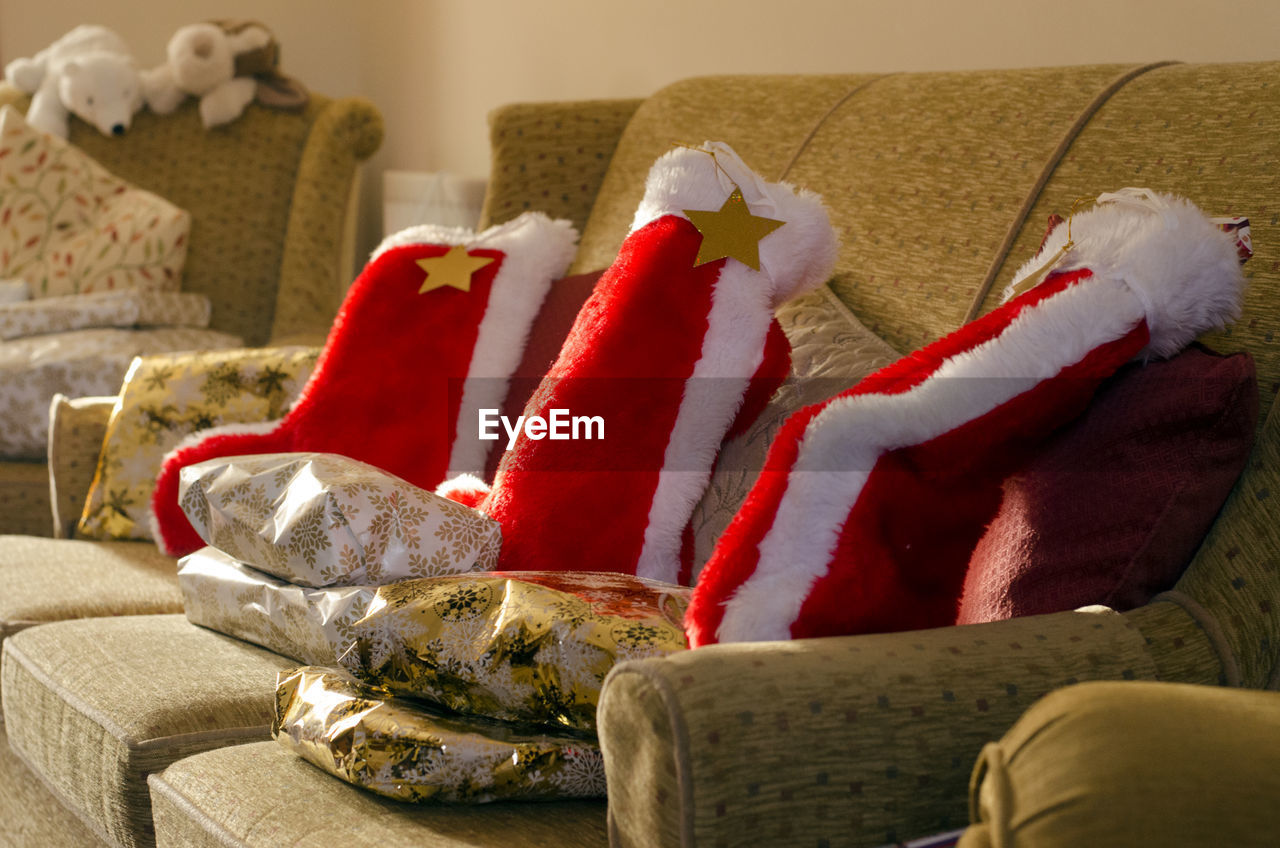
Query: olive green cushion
1123 764
93 706
262 795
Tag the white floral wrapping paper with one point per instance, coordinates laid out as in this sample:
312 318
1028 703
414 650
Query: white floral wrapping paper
310 625
319 519
103 309
78 363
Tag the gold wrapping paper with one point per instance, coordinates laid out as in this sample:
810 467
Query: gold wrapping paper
518 646
310 625
409 752
319 519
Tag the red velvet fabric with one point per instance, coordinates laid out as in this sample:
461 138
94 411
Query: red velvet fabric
1112 509
380 390
901 557
545 339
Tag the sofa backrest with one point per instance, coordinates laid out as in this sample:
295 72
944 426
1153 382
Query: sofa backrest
268 195
938 181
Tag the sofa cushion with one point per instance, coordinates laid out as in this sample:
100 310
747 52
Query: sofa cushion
164 399
32 814
95 705
57 579
1114 507
85 231
261 795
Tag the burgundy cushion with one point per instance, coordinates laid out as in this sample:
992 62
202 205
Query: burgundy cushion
1113 509
559 309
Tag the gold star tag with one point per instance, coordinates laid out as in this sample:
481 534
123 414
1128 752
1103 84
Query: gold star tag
731 232
452 269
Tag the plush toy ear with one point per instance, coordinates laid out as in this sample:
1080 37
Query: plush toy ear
71 69
252 37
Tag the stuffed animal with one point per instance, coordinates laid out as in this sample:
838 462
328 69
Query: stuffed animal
226 64
89 73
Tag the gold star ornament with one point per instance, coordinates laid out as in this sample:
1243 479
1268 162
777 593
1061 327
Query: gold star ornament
452 269
731 231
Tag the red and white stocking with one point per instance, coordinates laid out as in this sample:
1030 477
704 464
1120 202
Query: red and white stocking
677 341
871 503
433 307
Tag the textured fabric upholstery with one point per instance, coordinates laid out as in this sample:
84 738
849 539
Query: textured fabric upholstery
551 157
31 814
56 579
1111 764
266 796
865 740
93 706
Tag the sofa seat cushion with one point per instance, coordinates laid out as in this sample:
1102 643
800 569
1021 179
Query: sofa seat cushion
44 580
94 705
30 812
260 794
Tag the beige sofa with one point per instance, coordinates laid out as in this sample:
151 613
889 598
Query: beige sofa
130 728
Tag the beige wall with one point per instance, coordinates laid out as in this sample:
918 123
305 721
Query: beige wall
436 67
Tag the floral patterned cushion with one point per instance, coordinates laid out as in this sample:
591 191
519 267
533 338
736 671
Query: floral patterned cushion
67 226
164 399
318 519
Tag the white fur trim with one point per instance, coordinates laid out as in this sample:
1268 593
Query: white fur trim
1184 269
538 249
191 439
461 483
843 442
794 258
732 350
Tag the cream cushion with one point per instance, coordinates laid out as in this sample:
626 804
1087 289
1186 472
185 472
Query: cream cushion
92 706
31 814
261 795
58 579
71 227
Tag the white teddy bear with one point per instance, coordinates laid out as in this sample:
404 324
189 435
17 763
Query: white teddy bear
226 64
89 72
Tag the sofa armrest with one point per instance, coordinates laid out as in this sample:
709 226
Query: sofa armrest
76 430
862 740
551 157
313 276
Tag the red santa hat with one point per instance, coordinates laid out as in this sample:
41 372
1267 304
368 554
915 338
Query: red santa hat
870 503
429 333
677 342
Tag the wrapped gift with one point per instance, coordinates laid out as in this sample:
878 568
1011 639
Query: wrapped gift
310 625
518 646
318 519
410 752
